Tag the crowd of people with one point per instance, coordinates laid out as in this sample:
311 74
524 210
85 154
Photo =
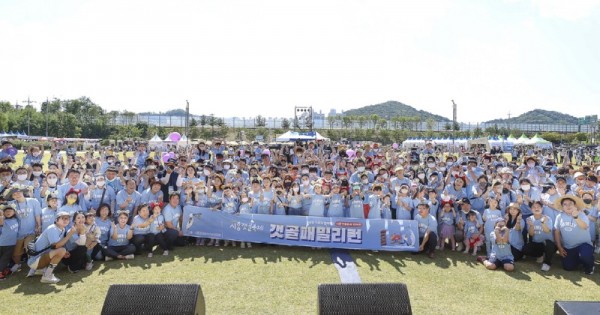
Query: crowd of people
111 204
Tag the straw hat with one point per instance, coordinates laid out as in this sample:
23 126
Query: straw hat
578 202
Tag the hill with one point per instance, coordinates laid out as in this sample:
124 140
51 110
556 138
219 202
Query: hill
393 108
538 116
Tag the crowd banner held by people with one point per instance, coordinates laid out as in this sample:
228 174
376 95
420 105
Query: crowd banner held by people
78 210
347 233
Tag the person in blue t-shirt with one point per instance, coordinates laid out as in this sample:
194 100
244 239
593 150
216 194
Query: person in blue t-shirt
571 234
541 243
428 227
9 227
118 243
501 254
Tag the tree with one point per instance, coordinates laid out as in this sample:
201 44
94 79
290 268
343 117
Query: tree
203 121
331 121
361 121
260 121
285 123
347 121
374 120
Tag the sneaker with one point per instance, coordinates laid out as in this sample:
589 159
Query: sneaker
459 247
108 258
233 243
438 247
540 260
40 272
545 267
72 271
200 242
242 245
210 243
466 251
591 272
149 255
31 273
130 256
51 279
249 245
89 265
15 268
166 253
217 243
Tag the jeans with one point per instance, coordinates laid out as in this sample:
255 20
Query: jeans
77 259
580 255
115 251
148 241
6 253
173 239
547 248
431 243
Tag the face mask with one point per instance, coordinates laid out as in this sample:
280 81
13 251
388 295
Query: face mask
37 173
525 187
110 161
365 181
482 185
52 181
454 173
384 175
421 176
587 201
449 164
431 165
244 199
226 166
404 190
71 201
446 198
397 188
531 164
305 182
100 183
433 180
36 154
443 168
206 172
360 168
132 174
505 190
304 171
22 177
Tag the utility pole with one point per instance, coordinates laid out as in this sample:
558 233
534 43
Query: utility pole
453 122
47 105
29 102
187 117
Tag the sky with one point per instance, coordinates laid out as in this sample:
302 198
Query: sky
247 58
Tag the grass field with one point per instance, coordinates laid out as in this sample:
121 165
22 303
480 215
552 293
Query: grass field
284 280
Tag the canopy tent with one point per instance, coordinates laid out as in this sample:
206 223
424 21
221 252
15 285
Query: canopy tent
183 141
480 141
511 138
156 140
540 142
522 139
300 136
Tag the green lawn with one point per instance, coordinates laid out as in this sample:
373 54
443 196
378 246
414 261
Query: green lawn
284 280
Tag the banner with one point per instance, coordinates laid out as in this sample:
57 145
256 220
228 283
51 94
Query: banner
348 233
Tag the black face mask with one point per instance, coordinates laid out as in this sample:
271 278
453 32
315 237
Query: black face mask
505 190
587 201
287 184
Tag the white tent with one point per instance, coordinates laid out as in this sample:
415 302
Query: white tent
183 142
156 140
300 136
540 142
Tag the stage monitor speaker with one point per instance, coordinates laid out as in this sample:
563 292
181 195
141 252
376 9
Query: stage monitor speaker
364 298
154 299
576 308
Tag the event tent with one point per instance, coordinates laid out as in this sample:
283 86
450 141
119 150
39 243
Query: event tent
156 140
299 136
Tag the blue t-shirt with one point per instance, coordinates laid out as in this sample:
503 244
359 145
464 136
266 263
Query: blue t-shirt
48 217
104 226
539 236
139 230
172 214
8 232
571 235
121 236
160 220
52 235
136 198
27 212
499 251
427 223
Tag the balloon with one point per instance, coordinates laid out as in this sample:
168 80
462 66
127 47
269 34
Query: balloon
350 153
267 152
174 136
172 154
165 157
12 151
395 146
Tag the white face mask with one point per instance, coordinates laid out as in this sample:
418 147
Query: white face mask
100 183
304 171
431 165
421 176
404 190
226 166
455 173
52 181
244 199
305 182
37 173
36 154
449 163
206 172
397 188
365 181
110 161
525 187
443 168
22 177
360 168
531 164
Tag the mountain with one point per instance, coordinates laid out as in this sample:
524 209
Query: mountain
393 108
538 116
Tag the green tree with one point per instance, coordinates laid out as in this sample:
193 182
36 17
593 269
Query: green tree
374 120
260 121
285 123
331 121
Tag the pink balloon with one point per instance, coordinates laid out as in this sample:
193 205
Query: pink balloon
165 157
395 146
172 155
174 136
267 152
350 153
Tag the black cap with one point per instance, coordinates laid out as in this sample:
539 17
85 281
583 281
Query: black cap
465 200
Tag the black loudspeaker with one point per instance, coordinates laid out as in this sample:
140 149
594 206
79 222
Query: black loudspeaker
154 299
364 298
576 308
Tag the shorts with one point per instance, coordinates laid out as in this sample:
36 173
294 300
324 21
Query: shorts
22 244
475 241
40 261
501 262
